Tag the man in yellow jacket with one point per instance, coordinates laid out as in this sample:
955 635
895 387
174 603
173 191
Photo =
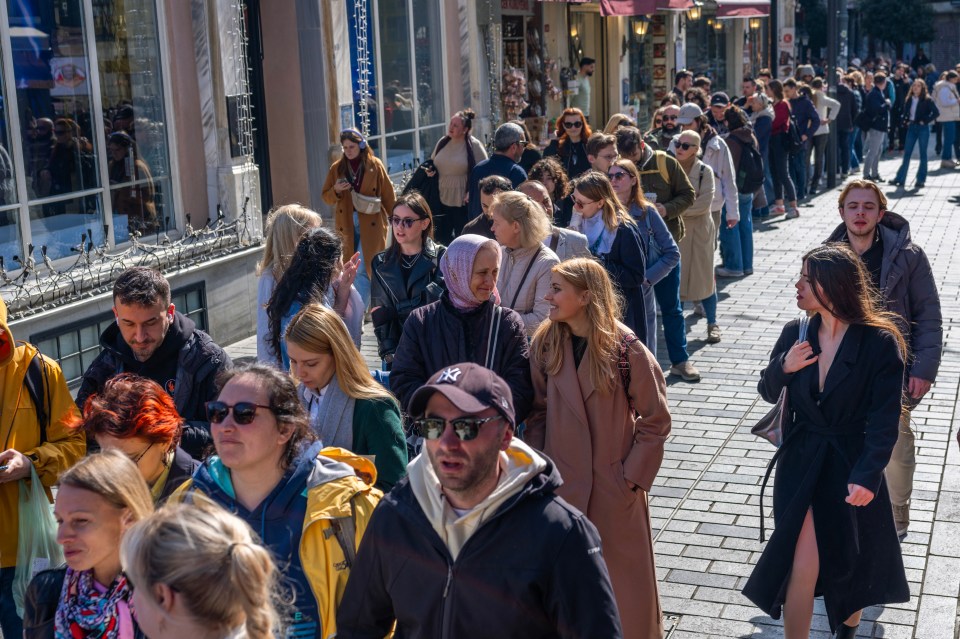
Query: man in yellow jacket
50 447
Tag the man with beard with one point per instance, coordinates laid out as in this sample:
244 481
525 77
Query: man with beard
659 139
682 81
152 339
441 556
901 272
582 99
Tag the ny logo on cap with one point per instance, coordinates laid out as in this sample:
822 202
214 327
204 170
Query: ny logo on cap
449 376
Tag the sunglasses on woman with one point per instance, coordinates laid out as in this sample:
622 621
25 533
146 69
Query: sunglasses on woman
572 125
405 222
686 145
243 412
466 428
617 175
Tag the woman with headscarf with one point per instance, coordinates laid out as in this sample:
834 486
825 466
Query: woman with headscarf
467 324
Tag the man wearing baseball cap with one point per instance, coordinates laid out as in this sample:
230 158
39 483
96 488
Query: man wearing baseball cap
36 419
509 141
475 542
718 105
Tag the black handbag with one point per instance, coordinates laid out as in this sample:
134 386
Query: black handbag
772 425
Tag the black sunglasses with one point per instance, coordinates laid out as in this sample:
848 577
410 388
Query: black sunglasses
669 117
405 222
686 145
243 412
617 175
466 428
572 125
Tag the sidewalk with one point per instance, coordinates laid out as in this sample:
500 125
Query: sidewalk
705 501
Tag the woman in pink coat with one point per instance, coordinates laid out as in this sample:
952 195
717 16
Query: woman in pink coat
600 413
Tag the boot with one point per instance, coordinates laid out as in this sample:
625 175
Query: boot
846 632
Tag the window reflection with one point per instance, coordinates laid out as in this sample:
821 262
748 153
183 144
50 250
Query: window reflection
63 226
395 65
132 190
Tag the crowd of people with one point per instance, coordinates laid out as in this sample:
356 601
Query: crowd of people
518 397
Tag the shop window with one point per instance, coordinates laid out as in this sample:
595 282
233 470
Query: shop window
406 105
645 58
707 49
90 110
76 346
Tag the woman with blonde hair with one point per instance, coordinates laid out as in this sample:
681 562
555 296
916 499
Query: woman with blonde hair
614 239
98 500
662 253
616 121
173 557
600 412
347 407
285 226
521 225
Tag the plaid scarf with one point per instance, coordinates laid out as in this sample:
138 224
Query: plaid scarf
86 613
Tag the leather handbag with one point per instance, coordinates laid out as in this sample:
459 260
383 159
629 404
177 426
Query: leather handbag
772 425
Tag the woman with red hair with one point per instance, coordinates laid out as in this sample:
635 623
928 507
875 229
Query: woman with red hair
570 144
137 417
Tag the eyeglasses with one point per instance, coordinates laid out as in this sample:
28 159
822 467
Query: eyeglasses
616 176
405 222
243 412
466 428
572 125
687 145
136 460
583 203
669 117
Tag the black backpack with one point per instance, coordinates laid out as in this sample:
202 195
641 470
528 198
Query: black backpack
35 382
750 175
791 139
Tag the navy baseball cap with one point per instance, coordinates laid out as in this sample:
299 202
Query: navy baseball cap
470 387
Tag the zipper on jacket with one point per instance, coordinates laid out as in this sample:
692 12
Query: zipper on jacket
444 608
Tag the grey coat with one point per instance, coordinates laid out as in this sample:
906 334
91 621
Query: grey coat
910 291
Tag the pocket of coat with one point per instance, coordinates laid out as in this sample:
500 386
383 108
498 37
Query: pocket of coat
621 481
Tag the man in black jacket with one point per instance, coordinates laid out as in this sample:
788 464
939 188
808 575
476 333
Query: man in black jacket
900 270
152 339
492 553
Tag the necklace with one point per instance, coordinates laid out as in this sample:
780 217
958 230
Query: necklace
407 261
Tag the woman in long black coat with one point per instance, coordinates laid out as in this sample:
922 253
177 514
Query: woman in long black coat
834 533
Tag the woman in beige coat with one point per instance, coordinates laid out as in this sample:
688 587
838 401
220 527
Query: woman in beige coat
520 225
697 281
606 442
359 170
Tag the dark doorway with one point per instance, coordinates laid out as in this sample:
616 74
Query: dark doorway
261 150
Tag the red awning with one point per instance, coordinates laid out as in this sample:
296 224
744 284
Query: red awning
674 5
627 7
742 8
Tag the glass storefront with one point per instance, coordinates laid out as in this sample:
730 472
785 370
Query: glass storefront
642 67
88 110
406 104
707 48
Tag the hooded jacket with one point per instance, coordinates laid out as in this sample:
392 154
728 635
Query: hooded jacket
910 291
947 99
312 522
522 564
188 359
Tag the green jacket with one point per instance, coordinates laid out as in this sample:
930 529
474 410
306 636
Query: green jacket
378 431
660 173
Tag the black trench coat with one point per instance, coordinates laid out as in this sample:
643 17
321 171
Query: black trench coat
844 438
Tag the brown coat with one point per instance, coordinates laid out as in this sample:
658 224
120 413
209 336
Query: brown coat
602 453
374 227
697 280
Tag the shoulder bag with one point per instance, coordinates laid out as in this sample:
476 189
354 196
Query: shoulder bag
772 425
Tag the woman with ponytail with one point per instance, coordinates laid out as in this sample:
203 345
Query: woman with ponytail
175 556
835 535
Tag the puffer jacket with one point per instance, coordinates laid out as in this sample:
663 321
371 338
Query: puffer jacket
326 500
532 569
199 361
439 335
529 292
947 100
910 291
395 299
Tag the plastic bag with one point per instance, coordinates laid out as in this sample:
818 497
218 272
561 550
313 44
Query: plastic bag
37 547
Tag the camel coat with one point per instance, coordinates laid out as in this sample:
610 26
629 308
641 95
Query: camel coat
602 453
697 281
374 227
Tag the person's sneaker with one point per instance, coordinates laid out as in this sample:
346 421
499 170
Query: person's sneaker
725 272
686 370
901 519
896 183
793 213
947 164
777 211
855 170
713 334
920 185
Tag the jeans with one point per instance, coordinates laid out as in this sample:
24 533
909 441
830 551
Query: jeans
949 133
819 155
736 244
667 292
362 283
10 623
798 170
915 133
710 307
843 146
872 147
782 184
650 305
857 148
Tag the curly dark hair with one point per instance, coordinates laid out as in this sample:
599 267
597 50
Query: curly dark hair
316 260
552 168
284 403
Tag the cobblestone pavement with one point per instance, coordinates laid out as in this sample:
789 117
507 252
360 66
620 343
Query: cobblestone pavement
705 500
